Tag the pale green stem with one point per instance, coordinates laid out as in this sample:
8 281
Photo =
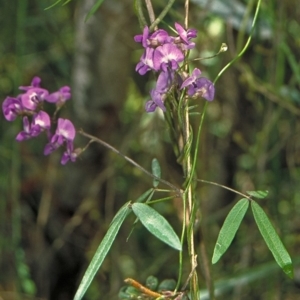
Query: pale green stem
191 168
140 14
162 14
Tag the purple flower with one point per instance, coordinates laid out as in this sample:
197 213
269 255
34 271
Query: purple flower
31 99
12 107
142 38
185 36
158 95
199 87
65 132
158 98
205 89
191 79
167 55
146 62
59 97
165 81
35 82
40 122
150 106
157 38
70 153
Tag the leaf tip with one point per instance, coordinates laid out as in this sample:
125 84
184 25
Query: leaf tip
288 270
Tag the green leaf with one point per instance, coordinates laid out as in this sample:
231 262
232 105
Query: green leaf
258 194
156 171
145 196
156 224
229 228
93 9
102 251
272 239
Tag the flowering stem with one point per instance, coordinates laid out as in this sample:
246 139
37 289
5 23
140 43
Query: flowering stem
190 167
189 189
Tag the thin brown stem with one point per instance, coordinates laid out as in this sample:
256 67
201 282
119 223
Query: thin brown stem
150 11
186 16
99 141
226 188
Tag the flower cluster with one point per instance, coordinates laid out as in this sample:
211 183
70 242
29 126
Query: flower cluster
163 54
29 106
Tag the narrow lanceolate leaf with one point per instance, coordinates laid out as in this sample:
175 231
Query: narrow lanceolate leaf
156 224
156 171
272 239
102 251
258 194
229 228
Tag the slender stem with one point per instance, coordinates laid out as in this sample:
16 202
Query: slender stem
226 188
150 10
216 79
246 45
99 141
188 170
162 14
181 241
186 15
140 14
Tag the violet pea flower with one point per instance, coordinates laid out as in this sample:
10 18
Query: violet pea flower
70 153
199 87
35 83
40 122
146 62
59 97
31 99
165 81
150 106
157 38
65 132
186 35
158 98
12 107
191 79
167 55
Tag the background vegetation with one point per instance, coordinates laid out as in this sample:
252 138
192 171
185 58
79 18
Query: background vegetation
53 217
